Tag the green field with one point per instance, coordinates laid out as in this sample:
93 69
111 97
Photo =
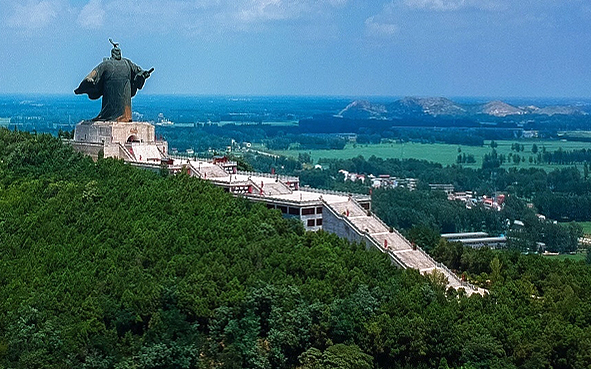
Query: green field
441 153
586 227
288 123
579 256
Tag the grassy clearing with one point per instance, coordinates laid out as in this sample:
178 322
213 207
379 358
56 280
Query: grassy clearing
579 256
445 154
586 227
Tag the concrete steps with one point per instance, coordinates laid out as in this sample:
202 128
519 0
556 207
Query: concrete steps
145 153
394 243
276 188
212 171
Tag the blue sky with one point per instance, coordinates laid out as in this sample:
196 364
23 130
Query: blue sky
505 48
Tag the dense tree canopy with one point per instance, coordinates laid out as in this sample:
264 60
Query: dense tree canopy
106 266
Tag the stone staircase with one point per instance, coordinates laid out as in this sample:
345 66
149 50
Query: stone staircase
361 225
145 153
211 172
390 241
275 188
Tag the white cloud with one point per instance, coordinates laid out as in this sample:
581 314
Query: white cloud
440 5
92 15
190 17
206 18
451 5
379 29
271 10
257 10
33 14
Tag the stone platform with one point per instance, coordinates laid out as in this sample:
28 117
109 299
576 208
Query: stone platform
130 141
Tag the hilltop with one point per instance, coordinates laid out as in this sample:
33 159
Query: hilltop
441 106
107 266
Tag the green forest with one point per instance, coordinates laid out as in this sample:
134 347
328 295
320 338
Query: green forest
103 265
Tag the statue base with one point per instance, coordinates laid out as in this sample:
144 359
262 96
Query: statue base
130 141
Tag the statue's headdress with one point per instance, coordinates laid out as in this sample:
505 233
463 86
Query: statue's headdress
116 51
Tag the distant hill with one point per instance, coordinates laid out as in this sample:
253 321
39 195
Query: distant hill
441 106
499 109
433 106
362 109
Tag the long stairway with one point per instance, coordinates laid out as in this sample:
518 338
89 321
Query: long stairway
390 241
349 214
212 172
275 188
145 153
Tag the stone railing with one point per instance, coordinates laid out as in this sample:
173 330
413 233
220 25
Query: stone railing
279 177
429 257
365 236
128 156
354 196
184 156
271 200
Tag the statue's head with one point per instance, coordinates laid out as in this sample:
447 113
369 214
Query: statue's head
115 51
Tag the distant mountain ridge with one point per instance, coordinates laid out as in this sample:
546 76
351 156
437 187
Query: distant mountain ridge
441 106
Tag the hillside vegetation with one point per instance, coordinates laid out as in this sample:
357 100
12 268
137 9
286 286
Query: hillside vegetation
107 266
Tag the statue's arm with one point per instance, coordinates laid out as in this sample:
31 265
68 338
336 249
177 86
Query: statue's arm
139 77
92 76
91 85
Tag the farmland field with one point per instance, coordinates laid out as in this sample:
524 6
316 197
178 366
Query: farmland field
289 123
586 227
579 256
445 154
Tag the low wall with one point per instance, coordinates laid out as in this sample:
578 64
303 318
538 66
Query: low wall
340 226
88 148
333 224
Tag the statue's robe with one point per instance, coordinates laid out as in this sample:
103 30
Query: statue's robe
117 81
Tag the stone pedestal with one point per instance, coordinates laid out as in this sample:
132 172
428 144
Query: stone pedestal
114 132
118 140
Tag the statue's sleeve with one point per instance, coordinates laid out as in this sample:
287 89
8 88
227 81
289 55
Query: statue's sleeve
137 77
92 84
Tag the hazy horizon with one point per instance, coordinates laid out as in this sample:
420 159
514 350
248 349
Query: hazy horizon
373 98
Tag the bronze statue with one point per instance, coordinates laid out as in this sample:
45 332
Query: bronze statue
117 80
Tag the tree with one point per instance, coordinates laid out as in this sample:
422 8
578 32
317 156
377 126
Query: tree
305 158
495 267
34 341
425 237
339 356
516 158
108 266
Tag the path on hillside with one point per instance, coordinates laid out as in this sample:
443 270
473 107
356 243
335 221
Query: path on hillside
348 212
390 241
